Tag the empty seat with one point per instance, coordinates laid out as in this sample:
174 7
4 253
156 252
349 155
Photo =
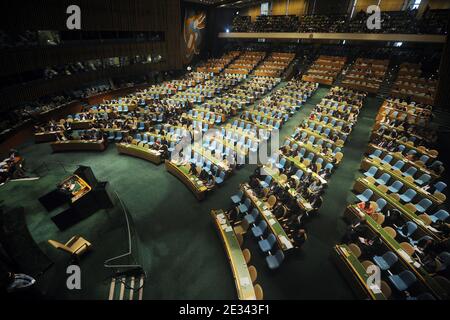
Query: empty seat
387 159
395 187
408 195
424 178
237 197
244 207
440 215
371 172
440 186
267 244
423 205
252 217
410 172
365 196
259 230
274 261
403 280
384 179
386 261
398 165
381 203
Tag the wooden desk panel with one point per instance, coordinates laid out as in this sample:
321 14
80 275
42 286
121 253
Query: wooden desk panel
355 273
193 183
241 275
79 145
139 152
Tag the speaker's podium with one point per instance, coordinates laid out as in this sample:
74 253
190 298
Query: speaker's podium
76 198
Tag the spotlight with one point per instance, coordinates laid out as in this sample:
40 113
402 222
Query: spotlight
227 30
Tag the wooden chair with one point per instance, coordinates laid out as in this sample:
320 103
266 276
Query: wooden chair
409 179
338 156
319 167
420 163
355 249
410 207
253 273
395 196
76 246
383 188
247 255
366 264
425 218
440 196
409 249
258 292
378 217
433 153
271 201
391 231
283 178
265 192
371 180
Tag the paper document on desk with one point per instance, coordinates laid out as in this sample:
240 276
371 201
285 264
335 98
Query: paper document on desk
245 281
404 255
287 243
272 222
228 229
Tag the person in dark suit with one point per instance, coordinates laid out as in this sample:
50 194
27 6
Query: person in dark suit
299 237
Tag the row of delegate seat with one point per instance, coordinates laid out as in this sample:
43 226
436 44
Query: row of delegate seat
220 149
430 168
308 157
203 163
259 228
268 123
252 129
316 139
407 230
325 131
270 114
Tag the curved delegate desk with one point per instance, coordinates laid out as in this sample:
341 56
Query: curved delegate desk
353 213
142 152
79 145
356 273
362 184
241 275
47 136
192 182
272 222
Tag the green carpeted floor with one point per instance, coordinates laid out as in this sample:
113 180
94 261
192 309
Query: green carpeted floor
176 241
